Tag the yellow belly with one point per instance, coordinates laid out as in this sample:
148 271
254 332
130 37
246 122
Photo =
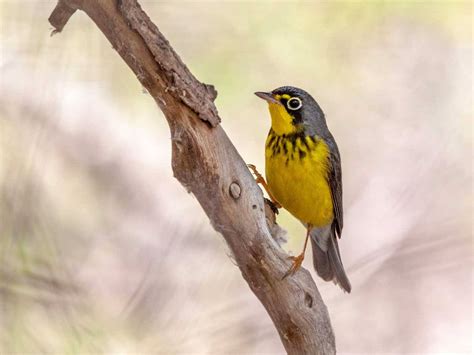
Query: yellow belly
299 183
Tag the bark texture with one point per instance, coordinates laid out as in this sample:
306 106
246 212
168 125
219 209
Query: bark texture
208 165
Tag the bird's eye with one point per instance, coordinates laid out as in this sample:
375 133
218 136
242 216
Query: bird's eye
294 103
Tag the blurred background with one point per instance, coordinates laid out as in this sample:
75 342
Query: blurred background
102 250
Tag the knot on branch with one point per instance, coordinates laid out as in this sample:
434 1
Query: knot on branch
234 190
211 90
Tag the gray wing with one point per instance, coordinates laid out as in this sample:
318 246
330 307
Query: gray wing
335 183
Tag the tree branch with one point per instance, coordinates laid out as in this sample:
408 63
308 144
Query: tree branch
208 165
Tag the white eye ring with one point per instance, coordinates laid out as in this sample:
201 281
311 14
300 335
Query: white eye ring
293 99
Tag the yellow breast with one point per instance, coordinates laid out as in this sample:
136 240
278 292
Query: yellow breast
296 170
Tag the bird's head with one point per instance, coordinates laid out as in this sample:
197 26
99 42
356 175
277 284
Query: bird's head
293 110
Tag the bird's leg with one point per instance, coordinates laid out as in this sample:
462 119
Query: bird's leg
298 260
260 180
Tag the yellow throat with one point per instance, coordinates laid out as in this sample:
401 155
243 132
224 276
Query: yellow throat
281 119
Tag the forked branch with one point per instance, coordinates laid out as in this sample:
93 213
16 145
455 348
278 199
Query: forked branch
208 165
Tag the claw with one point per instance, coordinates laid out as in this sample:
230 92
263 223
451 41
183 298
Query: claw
297 261
260 180
255 171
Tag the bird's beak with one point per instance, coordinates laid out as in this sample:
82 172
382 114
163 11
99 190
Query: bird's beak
267 96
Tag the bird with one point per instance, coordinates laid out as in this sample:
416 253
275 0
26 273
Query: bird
303 175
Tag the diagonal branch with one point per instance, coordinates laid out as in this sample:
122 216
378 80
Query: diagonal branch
208 165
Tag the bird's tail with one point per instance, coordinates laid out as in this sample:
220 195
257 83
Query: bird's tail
327 259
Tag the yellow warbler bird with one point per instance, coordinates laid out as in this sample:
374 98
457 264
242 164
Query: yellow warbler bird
303 172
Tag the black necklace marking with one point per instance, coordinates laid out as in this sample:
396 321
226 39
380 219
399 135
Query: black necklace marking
299 148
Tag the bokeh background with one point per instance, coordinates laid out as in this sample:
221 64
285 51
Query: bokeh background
101 249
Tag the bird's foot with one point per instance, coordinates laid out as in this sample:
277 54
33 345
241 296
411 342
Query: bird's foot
260 180
258 177
297 261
